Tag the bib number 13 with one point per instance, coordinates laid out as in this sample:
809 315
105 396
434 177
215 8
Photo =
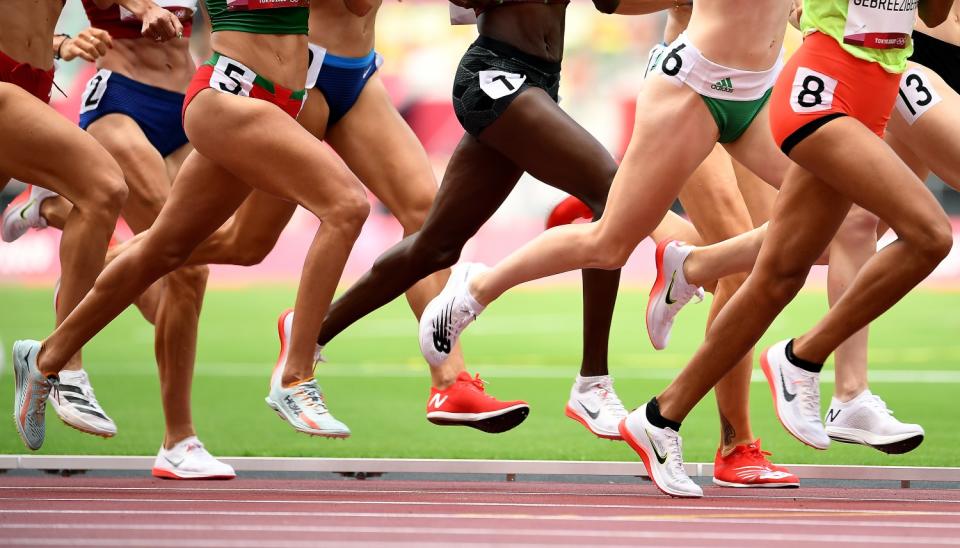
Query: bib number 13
812 91
916 96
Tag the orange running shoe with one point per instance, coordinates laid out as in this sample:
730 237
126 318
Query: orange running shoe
747 466
466 403
568 212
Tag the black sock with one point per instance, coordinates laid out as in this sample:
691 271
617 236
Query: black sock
658 420
800 362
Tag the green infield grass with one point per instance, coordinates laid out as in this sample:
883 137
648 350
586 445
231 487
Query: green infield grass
527 346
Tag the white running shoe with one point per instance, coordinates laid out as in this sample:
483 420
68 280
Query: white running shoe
448 314
670 291
303 407
24 213
796 396
661 451
30 394
594 404
284 330
188 459
77 406
865 420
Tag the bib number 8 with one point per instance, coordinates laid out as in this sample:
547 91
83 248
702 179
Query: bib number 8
812 91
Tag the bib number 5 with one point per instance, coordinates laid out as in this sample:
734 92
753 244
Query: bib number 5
812 91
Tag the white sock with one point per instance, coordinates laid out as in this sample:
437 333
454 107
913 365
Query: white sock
583 384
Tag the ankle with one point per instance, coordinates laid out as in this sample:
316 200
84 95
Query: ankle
845 394
479 291
691 271
177 435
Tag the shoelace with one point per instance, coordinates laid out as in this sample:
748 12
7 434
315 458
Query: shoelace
809 394
682 295
675 458
309 393
875 402
610 400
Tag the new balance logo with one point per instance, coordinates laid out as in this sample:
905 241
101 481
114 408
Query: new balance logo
441 327
725 85
832 414
437 401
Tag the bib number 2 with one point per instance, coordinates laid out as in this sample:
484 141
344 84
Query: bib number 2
812 91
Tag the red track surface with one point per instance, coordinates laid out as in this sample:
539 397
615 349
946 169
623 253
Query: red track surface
250 512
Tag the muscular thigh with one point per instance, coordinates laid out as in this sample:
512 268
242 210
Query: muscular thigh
712 199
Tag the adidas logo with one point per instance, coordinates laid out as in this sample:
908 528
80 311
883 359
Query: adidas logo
723 85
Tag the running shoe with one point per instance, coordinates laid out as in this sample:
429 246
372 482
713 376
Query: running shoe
568 212
466 403
670 291
796 396
30 394
448 314
866 420
284 330
77 406
661 451
747 466
24 213
595 405
188 459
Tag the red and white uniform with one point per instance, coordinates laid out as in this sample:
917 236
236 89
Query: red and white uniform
121 23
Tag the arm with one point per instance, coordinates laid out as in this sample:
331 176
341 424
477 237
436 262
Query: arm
90 45
796 12
934 12
637 7
359 7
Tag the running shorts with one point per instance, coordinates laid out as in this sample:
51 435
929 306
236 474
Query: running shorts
36 82
491 75
822 82
939 56
155 110
917 92
226 75
340 79
734 97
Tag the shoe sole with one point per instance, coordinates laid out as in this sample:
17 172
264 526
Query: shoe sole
768 373
657 286
642 453
897 447
104 435
573 415
498 424
19 383
314 433
722 483
168 475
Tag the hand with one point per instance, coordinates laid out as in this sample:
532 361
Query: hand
160 24
796 11
89 45
359 7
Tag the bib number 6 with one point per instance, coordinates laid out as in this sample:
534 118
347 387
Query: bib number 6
812 91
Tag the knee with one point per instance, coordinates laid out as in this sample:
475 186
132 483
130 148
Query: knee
779 284
414 215
242 250
165 254
348 214
434 256
596 197
935 240
192 279
106 193
860 226
606 252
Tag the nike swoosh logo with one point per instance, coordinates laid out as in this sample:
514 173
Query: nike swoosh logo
786 393
593 414
175 463
23 211
670 288
660 458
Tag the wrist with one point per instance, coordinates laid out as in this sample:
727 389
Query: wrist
58 54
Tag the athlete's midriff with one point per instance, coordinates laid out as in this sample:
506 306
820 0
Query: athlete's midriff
341 32
740 34
121 23
282 59
534 28
165 65
27 30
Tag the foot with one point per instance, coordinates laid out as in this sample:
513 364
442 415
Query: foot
670 291
30 394
747 466
661 451
284 329
77 406
24 213
448 314
595 405
466 403
796 396
568 212
865 420
188 459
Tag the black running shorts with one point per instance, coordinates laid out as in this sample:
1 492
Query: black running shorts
491 75
939 56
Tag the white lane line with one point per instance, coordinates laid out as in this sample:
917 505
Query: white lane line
260 543
793 537
657 519
457 504
185 490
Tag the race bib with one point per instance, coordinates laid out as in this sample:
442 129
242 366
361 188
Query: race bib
879 24
654 58
183 9
497 84
232 77
916 96
242 5
812 91
96 88
314 63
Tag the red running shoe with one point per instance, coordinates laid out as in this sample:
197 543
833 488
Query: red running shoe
747 466
569 211
466 403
